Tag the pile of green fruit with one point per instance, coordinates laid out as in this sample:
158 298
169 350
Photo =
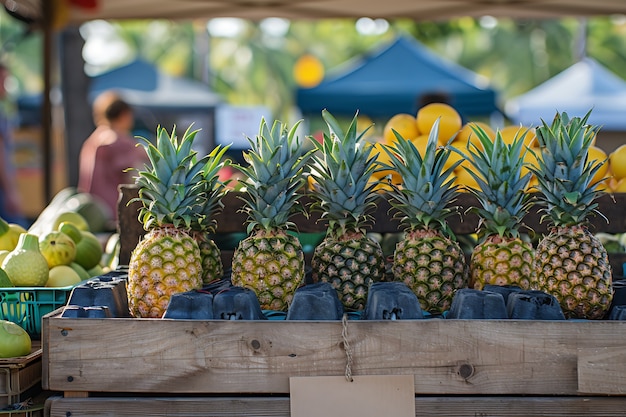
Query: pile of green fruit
63 256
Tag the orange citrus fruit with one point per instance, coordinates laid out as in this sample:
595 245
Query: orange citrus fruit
450 121
509 133
617 161
384 158
402 123
619 186
452 159
464 178
366 125
598 156
420 143
530 158
467 132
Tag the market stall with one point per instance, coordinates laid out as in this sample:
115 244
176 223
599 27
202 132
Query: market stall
134 366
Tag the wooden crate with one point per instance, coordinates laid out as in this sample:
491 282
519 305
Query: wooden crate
168 360
20 377
447 357
432 406
130 367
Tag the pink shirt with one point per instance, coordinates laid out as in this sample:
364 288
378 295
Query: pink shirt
104 157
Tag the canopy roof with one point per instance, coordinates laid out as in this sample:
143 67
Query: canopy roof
141 84
393 79
583 86
316 9
83 10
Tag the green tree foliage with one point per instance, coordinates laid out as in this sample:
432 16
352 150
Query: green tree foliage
255 67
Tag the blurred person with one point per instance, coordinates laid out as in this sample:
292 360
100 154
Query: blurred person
109 151
10 200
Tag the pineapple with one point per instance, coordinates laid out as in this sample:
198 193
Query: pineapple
204 226
347 258
270 260
428 259
173 192
501 257
571 263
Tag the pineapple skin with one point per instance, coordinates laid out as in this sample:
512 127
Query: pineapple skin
573 265
164 263
212 266
433 266
350 263
271 263
502 261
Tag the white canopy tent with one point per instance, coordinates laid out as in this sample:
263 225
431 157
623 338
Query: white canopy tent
583 86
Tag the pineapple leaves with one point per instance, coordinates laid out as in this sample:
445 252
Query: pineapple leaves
564 172
342 169
275 172
427 192
496 166
177 188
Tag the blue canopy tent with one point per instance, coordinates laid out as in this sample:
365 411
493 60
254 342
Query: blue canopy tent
583 86
143 85
394 79
157 99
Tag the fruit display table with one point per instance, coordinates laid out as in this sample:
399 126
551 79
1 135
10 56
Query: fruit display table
166 367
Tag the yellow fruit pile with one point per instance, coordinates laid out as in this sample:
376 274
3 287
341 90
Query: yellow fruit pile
65 256
417 130
617 170
462 137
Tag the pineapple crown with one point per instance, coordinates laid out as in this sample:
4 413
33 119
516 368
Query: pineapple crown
176 187
501 192
275 172
216 188
342 169
427 191
564 171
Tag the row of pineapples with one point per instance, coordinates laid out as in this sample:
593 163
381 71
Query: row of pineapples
180 193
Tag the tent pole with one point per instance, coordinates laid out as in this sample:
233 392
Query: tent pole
46 116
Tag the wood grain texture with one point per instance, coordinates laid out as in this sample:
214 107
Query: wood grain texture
279 406
602 370
445 356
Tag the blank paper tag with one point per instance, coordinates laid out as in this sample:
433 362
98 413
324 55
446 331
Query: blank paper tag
365 396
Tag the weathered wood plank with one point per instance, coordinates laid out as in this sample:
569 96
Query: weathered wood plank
602 370
279 406
445 356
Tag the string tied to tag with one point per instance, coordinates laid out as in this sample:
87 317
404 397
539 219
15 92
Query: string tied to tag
347 348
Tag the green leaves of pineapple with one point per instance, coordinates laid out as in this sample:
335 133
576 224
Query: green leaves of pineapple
178 188
275 172
342 169
427 192
501 186
565 173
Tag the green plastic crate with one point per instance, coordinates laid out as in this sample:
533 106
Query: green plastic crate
27 305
